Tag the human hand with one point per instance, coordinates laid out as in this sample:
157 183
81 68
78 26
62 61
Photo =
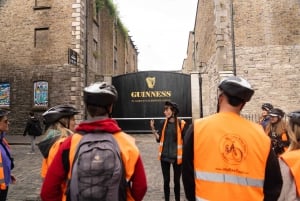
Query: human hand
13 179
152 124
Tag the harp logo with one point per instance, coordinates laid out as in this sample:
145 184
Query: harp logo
150 82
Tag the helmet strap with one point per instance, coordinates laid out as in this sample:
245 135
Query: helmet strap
64 124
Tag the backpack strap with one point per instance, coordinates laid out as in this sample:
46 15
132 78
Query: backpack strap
75 140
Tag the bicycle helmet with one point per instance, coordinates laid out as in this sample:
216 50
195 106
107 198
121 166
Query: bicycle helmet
276 112
237 87
267 106
57 112
174 107
294 117
3 112
100 94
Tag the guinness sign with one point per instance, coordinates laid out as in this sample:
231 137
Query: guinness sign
142 96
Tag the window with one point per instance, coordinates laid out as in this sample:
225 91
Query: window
42 4
96 7
115 59
95 53
41 37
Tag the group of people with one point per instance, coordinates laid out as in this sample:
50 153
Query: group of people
274 124
226 157
220 157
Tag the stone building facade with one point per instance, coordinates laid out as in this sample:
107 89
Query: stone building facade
258 40
62 45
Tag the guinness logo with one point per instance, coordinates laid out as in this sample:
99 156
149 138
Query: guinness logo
150 82
233 149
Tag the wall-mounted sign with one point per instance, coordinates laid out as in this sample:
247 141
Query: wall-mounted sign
40 94
72 57
4 94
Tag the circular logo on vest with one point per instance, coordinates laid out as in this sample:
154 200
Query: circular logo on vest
233 149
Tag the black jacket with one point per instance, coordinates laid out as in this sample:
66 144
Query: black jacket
30 126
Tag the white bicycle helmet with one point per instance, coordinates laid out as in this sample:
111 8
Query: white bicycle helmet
237 87
100 94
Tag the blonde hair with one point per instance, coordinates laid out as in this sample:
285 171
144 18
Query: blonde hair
279 127
294 134
63 131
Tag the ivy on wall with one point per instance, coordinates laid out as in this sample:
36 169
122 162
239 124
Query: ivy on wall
101 4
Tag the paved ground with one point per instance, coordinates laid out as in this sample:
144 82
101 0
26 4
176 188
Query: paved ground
27 170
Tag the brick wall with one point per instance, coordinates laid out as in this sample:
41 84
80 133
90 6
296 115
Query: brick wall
34 43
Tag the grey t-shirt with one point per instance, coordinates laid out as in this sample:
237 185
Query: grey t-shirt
170 143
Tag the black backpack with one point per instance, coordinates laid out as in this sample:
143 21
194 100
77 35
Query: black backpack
97 171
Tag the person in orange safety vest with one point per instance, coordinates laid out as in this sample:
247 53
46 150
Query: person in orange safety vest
276 130
6 161
99 99
290 161
60 123
227 157
170 138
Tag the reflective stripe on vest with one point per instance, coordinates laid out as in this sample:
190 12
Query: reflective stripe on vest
179 141
226 178
200 199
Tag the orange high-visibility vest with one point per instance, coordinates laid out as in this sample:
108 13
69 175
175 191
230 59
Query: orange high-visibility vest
129 155
292 159
2 179
230 155
52 152
179 141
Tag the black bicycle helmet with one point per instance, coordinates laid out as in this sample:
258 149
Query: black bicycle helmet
100 94
57 112
237 87
294 117
174 107
267 106
3 112
276 112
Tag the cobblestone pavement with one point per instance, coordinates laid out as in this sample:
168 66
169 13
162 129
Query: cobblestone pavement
27 171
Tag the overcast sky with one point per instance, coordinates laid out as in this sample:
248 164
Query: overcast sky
159 29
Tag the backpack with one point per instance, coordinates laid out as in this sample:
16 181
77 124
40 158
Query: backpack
35 128
97 171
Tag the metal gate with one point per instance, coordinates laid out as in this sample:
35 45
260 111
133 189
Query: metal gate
142 96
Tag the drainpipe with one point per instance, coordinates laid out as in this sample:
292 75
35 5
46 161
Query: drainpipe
232 38
200 94
86 50
86 43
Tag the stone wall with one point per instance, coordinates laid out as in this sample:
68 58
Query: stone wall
266 50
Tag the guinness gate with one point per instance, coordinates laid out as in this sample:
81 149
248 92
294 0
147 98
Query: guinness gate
142 96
